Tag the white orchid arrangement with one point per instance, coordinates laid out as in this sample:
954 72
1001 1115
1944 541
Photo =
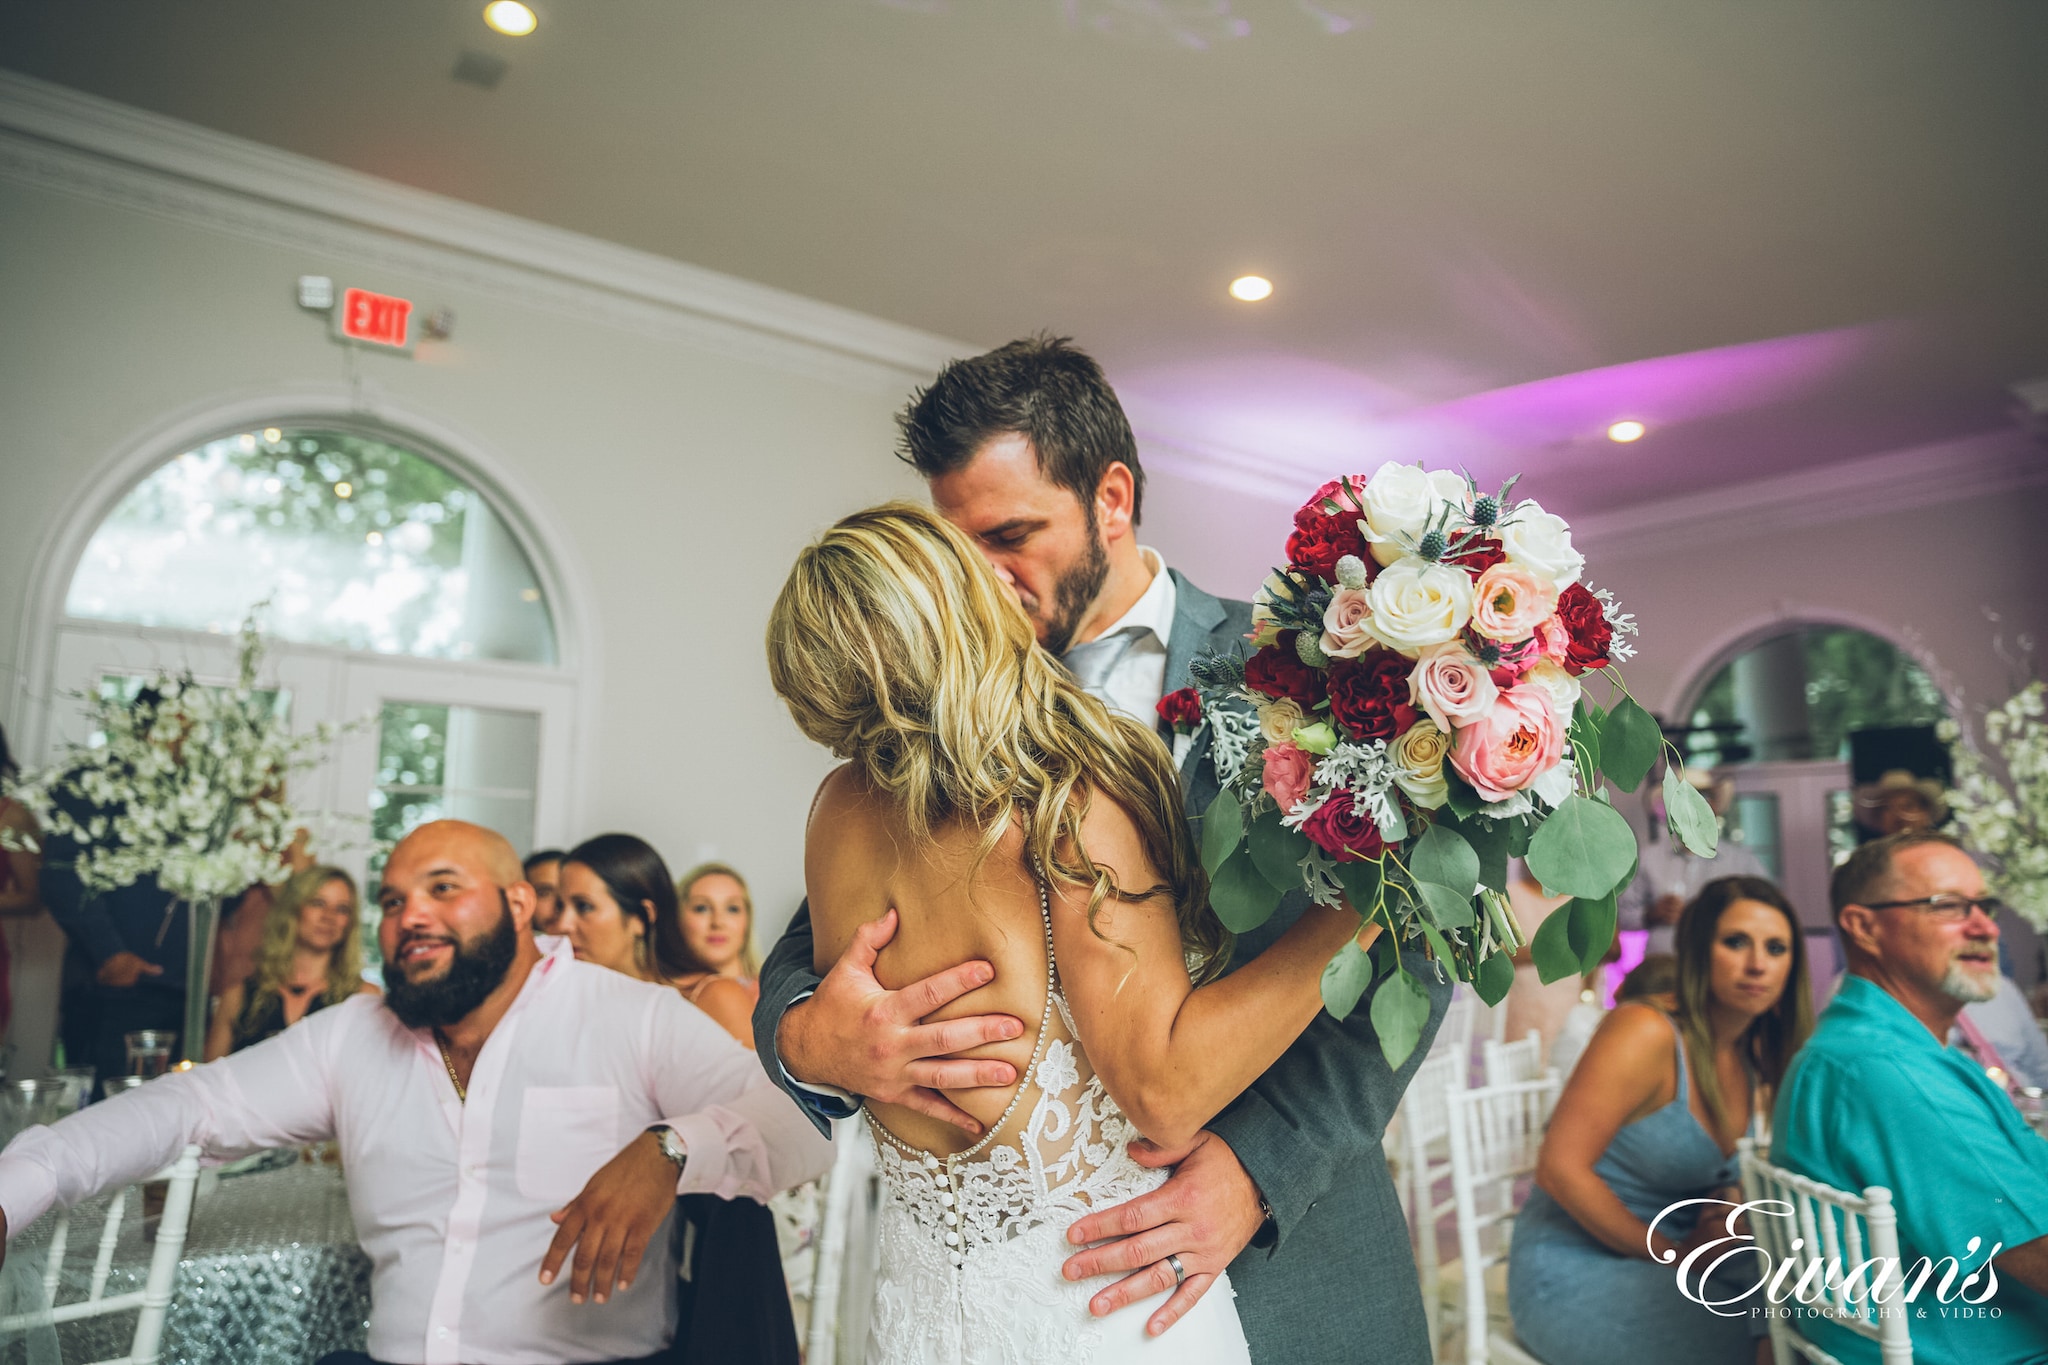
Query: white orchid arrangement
185 782
2008 820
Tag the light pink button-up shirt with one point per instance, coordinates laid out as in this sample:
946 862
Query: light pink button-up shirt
451 1200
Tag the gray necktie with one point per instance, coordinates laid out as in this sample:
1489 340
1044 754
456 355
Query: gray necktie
1092 663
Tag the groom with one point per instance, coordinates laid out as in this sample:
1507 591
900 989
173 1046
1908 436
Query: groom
1027 450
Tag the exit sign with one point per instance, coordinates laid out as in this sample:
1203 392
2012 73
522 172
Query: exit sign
375 319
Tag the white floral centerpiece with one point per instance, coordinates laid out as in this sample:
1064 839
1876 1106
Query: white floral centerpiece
184 782
2008 820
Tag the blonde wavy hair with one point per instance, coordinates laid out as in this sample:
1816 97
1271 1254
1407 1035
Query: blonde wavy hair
750 961
895 645
281 937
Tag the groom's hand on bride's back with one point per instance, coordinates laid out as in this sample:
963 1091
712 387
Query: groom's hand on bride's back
856 1034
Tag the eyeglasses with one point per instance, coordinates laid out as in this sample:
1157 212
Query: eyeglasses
1948 909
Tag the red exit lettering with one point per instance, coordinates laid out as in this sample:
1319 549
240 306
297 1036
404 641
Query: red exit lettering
379 319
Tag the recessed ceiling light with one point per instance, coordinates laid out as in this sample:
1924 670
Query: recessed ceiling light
1624 432
1251 288
510 18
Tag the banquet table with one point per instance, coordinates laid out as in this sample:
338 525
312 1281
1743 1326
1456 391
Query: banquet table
271 1273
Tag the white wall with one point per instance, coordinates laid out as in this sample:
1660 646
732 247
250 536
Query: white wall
670 480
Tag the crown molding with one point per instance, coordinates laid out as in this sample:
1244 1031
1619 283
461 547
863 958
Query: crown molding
79 144
1922 476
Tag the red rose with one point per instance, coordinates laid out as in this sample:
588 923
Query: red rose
1582 615
1316 507
1320 538
1278 672
1182 710
1345 836
1369 695
1478 556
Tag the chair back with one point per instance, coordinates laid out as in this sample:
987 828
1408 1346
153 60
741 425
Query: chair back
1425 1125
1521 1060
1833 1229
1496 1132
153 1300
1454 1035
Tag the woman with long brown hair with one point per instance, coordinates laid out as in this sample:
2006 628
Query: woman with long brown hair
1650 1118
997 812
311 956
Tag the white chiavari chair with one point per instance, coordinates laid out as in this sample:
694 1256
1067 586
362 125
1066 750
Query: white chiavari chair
1495 1134
1834 1227
1425 1129
1521 1060
153 1300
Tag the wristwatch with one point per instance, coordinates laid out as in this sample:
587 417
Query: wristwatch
671 1145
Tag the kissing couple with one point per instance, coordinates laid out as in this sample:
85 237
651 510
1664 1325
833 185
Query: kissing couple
1096 1116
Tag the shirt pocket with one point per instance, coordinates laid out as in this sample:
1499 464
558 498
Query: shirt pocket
566 1132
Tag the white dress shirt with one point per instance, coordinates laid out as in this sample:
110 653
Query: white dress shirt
451 1200
1137 681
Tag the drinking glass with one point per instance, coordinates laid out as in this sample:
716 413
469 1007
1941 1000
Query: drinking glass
24 1104
120 1085
2033 1108
79 1082
149 1052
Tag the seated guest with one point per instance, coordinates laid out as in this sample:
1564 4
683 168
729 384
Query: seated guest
2002 1034
1653 981
544 875
1878 1099
309 958
596 1084
718 928
619 911
1651 1117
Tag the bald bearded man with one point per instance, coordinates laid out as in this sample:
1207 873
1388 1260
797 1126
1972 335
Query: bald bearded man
495 1109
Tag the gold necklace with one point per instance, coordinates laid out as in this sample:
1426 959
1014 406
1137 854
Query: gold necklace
461 1094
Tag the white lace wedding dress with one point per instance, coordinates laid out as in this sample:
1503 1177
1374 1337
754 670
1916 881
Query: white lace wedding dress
970 1247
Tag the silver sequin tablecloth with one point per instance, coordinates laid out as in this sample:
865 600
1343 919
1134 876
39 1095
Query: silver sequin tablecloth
271 1275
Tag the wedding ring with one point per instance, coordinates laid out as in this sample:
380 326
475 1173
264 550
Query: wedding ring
1179 1271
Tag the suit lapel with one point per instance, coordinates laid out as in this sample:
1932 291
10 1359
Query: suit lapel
1200 622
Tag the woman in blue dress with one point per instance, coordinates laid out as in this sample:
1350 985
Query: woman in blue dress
1650 1117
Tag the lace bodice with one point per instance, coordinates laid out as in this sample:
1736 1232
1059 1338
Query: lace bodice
970 1246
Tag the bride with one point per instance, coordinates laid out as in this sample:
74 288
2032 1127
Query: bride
1004 814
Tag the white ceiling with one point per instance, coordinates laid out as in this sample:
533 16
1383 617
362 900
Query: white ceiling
1453 197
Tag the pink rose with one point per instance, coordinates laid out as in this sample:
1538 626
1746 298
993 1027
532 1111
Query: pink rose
1289 770
1553 639
1451 686
1344 632
1509 602
1512 745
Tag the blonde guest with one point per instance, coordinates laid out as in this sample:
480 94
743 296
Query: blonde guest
716 920
310 957
619 911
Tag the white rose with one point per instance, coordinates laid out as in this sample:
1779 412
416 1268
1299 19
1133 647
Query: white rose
1345 635
1561 687
1418 756
1416 604
1400 500
1279 719
1542 544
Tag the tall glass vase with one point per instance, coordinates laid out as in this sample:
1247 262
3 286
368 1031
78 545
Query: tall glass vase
201 921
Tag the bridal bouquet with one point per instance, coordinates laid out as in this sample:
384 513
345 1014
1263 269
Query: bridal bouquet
2008 820
183 782
1413 714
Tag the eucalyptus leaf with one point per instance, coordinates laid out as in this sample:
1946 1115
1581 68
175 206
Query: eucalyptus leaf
1448 907
1345 978
1585 730
1557 957
1400 1008
1592 929
1276 851
1690 817
1242 898
1222 830
1362 884
1490 839
1520 831
1460 799
1443 856
1494 977
1585 848
1630 740
1441 949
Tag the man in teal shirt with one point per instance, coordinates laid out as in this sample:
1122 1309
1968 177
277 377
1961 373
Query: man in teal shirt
1877 1098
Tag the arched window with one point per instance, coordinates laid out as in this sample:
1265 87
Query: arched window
393 590
1797 719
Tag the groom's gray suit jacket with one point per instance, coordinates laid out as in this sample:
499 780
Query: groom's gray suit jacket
1331 1281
